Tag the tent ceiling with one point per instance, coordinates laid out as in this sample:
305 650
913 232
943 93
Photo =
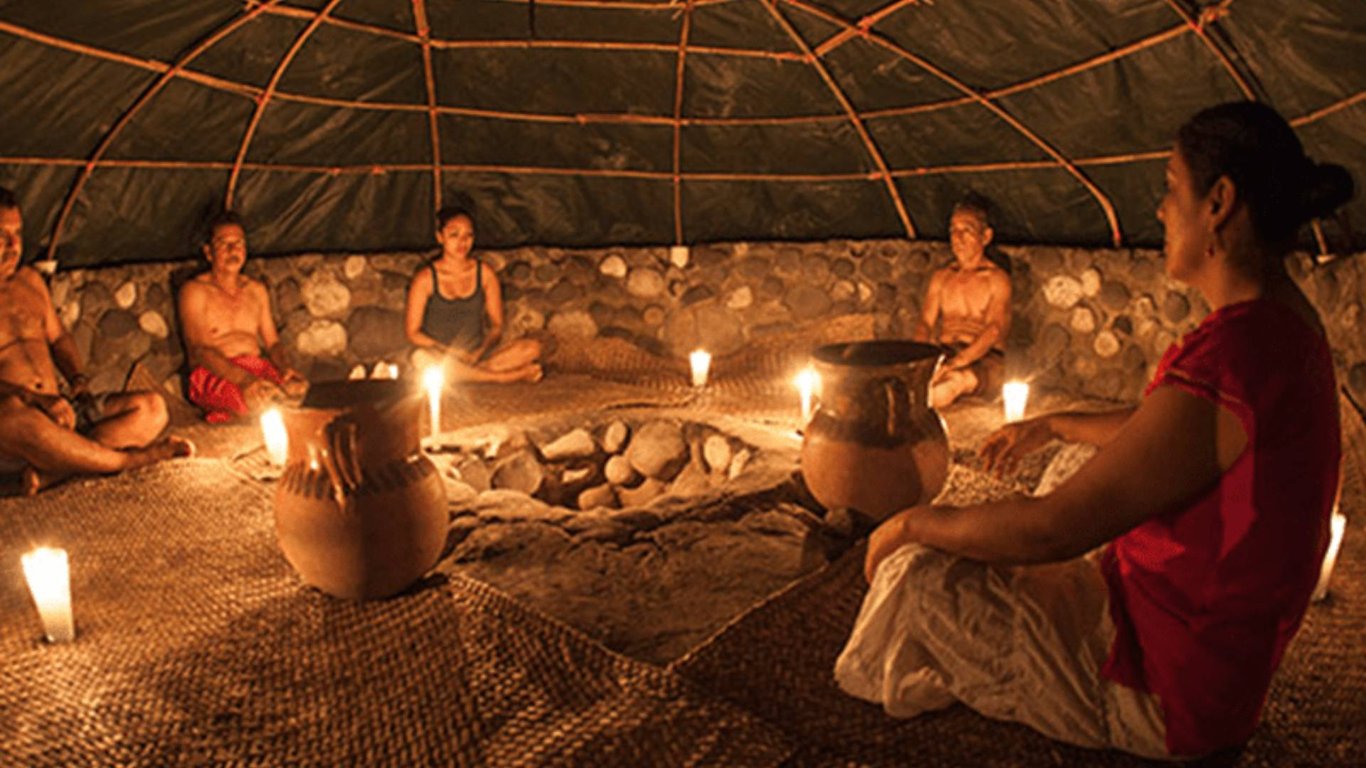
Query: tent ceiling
341 124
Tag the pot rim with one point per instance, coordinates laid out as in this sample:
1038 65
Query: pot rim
877 353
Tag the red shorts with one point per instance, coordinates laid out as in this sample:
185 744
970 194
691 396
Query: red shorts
222 400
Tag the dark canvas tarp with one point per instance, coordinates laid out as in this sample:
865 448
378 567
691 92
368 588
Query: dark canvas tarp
340 124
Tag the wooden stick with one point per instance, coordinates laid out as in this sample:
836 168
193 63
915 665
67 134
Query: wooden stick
864 24
264 99
1323 112
873 152
678 125
1209 16
424 33
146 96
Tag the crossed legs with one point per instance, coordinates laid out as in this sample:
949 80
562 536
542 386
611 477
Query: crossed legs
514 361
124 439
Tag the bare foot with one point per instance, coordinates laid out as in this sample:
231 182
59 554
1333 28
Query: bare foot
169 447
34 480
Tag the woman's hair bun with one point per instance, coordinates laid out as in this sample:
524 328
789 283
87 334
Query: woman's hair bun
1327 186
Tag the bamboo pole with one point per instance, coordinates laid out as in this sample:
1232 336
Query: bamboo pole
1101 199
1323 112
264 99
424 33
143 99
864 24
1209 16
873 152
678 125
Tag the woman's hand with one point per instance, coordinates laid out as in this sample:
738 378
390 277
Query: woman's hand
886 539
1003 449
58 409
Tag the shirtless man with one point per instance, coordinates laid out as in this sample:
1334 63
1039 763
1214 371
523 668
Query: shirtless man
225 318
45 435
969 301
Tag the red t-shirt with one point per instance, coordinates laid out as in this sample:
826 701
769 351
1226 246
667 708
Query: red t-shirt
1205 599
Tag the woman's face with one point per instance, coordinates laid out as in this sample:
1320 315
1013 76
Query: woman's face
1185 234
457 237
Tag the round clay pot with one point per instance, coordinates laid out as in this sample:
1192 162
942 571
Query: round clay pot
873 444
360 512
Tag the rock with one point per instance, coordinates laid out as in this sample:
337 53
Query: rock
738 463
1123 325
842 267
806 302
69 313
1135 362
1062 292
1082 320
645 283
876 268
843 290
473 471
353 266
126 295
1090 283
325 296
658 450
323 338
519 471
563 292
1114 296
1356 381
288 296
1175 307
525 319
614 437
815 269
116 324
678 256
1106 344
719 330
576 444
575 475
692 481
1046 260
695 294
376 332
740 298
754 268
618 471
598 496
653 315
459 491
642 494
95 298
575 323
771 287
1052 341
717 453
357 373
153 324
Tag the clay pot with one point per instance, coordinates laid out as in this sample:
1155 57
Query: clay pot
873 444
360 512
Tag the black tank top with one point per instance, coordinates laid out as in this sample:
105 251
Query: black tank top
456 322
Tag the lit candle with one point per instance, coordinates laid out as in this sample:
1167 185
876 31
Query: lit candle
1015 394
1339 523
49 581
700 361
806 383
432 379
393 370
277 439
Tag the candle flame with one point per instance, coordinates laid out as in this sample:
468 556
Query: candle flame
49 581
700 361
1015 394
277 439
433 379
1338 525
807 382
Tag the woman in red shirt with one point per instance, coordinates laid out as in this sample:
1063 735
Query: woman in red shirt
1214 496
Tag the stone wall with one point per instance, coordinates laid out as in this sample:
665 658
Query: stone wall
1090 321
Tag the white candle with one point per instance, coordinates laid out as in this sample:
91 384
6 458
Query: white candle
1015 394
277 439
432 379
49 580
1338 525
806 382
700 361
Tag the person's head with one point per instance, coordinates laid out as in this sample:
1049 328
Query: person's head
225 242
1242 160
455 231
970 230
11 233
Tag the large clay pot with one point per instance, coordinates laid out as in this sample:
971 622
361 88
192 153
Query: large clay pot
360 512
874 445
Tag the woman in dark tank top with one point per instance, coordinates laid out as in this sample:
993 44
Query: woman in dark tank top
454 315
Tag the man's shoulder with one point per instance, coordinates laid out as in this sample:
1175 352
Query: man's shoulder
30 279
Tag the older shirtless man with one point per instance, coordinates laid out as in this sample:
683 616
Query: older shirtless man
967 307
238 361
45 434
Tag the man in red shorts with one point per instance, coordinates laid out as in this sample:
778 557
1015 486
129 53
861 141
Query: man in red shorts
230 337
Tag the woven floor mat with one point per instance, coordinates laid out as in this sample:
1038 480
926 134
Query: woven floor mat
777 661
197 645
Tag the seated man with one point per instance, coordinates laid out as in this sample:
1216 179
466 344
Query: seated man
44 435
969 301
225 318
462 332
